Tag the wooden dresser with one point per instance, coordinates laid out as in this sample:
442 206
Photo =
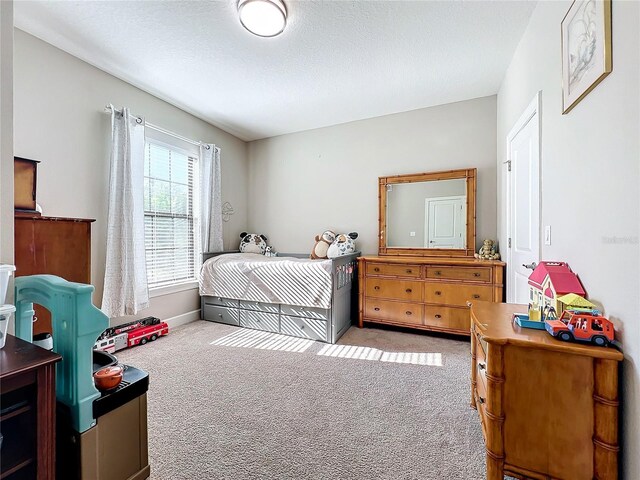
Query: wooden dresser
549 409
429 293
27 410
52 245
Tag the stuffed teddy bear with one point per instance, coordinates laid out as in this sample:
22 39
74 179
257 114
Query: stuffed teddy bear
487 251
343 244
322 244
253 243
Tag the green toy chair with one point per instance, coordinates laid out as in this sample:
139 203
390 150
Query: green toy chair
76 323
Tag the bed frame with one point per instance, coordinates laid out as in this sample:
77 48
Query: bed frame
325 325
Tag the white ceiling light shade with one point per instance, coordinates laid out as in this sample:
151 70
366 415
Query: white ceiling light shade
265 18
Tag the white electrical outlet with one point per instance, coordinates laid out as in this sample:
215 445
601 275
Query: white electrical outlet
412 234
547 235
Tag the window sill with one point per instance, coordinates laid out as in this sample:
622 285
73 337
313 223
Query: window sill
170 289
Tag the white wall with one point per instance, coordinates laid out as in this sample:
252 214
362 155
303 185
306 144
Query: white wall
590 177
6 133
303 183
59 119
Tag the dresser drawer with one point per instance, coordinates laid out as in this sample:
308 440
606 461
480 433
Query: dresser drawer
481 369
447 317
456 294
475 274
481 384
222 301
308 312
304 328
215 313
394 270
481 406
397 312
260 306
393 289
481 354
269 322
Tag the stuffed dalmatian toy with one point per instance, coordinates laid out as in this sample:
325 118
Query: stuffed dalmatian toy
343 244
253 243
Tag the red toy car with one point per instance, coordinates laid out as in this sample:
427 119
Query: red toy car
583 327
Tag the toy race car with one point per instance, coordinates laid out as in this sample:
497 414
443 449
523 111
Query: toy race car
582 327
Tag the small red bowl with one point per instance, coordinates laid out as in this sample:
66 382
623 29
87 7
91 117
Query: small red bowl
108 378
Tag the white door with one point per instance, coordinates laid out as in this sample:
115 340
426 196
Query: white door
445 222
523 202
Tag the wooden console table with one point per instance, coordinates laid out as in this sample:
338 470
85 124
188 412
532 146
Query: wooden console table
549 409
28 410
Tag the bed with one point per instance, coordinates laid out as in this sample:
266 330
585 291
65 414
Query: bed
288 294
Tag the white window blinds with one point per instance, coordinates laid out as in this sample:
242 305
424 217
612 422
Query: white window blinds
170 215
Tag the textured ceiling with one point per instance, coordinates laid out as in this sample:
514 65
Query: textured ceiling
337 61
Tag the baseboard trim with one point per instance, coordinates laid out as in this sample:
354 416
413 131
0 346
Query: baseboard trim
183 319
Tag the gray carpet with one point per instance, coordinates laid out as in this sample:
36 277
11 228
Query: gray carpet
252 406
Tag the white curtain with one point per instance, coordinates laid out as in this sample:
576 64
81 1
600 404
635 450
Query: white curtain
210 198
125 277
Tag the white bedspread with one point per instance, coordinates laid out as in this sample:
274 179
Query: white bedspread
253 277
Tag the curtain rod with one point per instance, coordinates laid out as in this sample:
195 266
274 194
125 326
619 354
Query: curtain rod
139 119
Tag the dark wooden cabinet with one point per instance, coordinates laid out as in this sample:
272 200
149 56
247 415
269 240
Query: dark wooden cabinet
52 245
27 411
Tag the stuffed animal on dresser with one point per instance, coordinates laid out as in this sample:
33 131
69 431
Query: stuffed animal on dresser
487 251
344 244
323 242
253 243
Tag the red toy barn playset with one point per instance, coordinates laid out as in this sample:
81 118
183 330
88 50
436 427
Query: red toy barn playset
554 289
548 282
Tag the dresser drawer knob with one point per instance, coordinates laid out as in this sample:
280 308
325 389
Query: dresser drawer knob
438 292
482 366
409 312
438 315
376 269
481 400
408 290
409 270
438 273
376 287
476 296
377 309
301 327
220 315
476 274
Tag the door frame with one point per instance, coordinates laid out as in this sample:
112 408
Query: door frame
534 109
463 200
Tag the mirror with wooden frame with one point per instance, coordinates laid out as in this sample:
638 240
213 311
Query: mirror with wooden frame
428 214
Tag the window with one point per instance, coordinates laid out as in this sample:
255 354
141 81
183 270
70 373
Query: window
171 225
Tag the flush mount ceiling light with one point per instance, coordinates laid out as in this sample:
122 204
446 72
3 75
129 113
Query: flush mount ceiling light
265 18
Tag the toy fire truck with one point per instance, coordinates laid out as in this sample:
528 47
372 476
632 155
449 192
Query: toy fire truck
131 334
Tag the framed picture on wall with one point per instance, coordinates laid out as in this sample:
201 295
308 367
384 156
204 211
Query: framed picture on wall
586 49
